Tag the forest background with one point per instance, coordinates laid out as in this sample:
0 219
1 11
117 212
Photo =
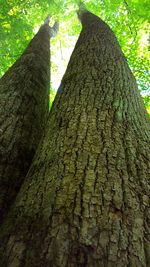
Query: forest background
129 19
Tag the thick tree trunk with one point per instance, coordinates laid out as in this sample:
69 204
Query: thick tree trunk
85 201
24 105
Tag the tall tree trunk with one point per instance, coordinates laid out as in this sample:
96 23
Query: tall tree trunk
24 106
85 201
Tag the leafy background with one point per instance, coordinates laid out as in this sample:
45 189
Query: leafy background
129 19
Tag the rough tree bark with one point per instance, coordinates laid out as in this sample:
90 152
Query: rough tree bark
24 106
85 201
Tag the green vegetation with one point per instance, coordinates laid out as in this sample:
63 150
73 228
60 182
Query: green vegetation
129 19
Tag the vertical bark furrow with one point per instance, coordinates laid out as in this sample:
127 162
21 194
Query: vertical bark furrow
85 201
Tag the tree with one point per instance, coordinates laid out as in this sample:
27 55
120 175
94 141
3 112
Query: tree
85 200
24 107
129 20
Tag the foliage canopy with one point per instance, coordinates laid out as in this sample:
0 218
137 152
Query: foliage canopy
129 19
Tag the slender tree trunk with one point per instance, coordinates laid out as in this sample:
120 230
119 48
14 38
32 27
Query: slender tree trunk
24 106
85 201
